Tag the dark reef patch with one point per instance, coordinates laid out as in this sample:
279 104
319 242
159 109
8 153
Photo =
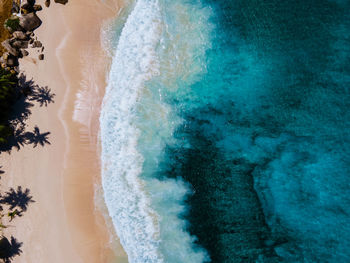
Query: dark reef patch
224 208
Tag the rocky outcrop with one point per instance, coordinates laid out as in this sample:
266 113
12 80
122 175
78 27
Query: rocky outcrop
61 1
20 44
7 44
20 35
29 22
22 30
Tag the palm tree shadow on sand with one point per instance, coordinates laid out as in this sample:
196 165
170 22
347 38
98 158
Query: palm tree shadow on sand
16 201
21 138
17 198
36 137
42 95
9 249
27 93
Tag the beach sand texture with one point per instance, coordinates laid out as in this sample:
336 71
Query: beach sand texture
64 224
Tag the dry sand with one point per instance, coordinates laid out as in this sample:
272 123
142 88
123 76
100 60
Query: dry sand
64 224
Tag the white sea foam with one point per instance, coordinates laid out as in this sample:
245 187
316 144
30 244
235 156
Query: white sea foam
134 63
137 125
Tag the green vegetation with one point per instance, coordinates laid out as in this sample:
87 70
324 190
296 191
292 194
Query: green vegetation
7 98
12 23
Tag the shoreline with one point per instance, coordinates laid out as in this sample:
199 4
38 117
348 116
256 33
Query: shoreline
64 177
85 127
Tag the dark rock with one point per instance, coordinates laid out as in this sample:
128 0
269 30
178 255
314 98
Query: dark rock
29 2
24 52
41 57
15 8
31 41
20 44
29 22
38 8
37 43
47 3
61 1
12 61
6 44
20 35
27 8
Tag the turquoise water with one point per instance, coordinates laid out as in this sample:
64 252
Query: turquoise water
224 131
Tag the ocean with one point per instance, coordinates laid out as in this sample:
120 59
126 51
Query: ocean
225 130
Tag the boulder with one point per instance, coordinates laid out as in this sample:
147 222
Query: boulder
47 3
12 61
29 2
61 1
20 35
28 5
37 43
29 22
24 52
20 44
6 44
26 8
38 8
41 57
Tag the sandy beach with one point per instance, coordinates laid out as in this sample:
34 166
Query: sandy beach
64 224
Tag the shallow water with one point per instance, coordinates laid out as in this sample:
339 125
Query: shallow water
224 131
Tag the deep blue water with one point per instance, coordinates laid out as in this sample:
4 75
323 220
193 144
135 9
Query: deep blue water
226 129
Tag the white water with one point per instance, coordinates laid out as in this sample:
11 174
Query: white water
136 125
134 63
